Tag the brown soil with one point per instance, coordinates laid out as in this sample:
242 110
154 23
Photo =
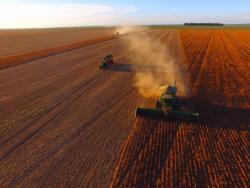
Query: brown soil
14 42
212 152
13 60
64 123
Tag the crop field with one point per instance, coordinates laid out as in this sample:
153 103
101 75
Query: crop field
218 63
17 48
65 123
21 41
184 154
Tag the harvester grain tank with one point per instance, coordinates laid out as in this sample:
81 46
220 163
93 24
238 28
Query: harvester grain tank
167 106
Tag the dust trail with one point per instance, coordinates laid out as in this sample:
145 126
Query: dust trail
163 69
123 30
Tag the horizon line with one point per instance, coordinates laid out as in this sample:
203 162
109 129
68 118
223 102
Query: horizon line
112 26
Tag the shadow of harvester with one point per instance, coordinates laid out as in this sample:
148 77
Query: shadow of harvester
174 153
145 154
136 68
225 116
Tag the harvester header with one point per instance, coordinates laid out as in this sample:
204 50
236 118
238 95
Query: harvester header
167 106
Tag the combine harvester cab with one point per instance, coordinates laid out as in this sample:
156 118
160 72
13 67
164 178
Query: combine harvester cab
107 62
167 107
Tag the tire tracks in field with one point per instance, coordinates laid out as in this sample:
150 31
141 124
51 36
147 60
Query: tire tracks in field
48 88
40 93
37 159
197 63
39 116
28 57
78 92
68 141
84 151
100 76
78 68
88 55
82 166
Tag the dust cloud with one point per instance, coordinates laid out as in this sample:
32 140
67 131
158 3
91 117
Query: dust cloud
125 29
150 52
129 29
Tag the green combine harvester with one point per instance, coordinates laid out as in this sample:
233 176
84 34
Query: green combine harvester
167 106
107 62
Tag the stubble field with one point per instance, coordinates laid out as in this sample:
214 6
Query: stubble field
65 123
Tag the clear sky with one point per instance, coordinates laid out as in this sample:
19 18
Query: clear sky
64 13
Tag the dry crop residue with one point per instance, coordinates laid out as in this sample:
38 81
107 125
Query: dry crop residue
64 123
218 65
183 154
212 152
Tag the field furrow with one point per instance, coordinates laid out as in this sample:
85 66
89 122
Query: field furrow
183 154
65 123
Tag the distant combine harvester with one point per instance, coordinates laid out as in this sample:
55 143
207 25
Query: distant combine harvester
203 24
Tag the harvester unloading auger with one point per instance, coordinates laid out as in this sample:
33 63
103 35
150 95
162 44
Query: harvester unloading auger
167 106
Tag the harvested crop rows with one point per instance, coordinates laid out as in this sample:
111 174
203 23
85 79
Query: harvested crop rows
27 57
210 153
14 42
64 123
